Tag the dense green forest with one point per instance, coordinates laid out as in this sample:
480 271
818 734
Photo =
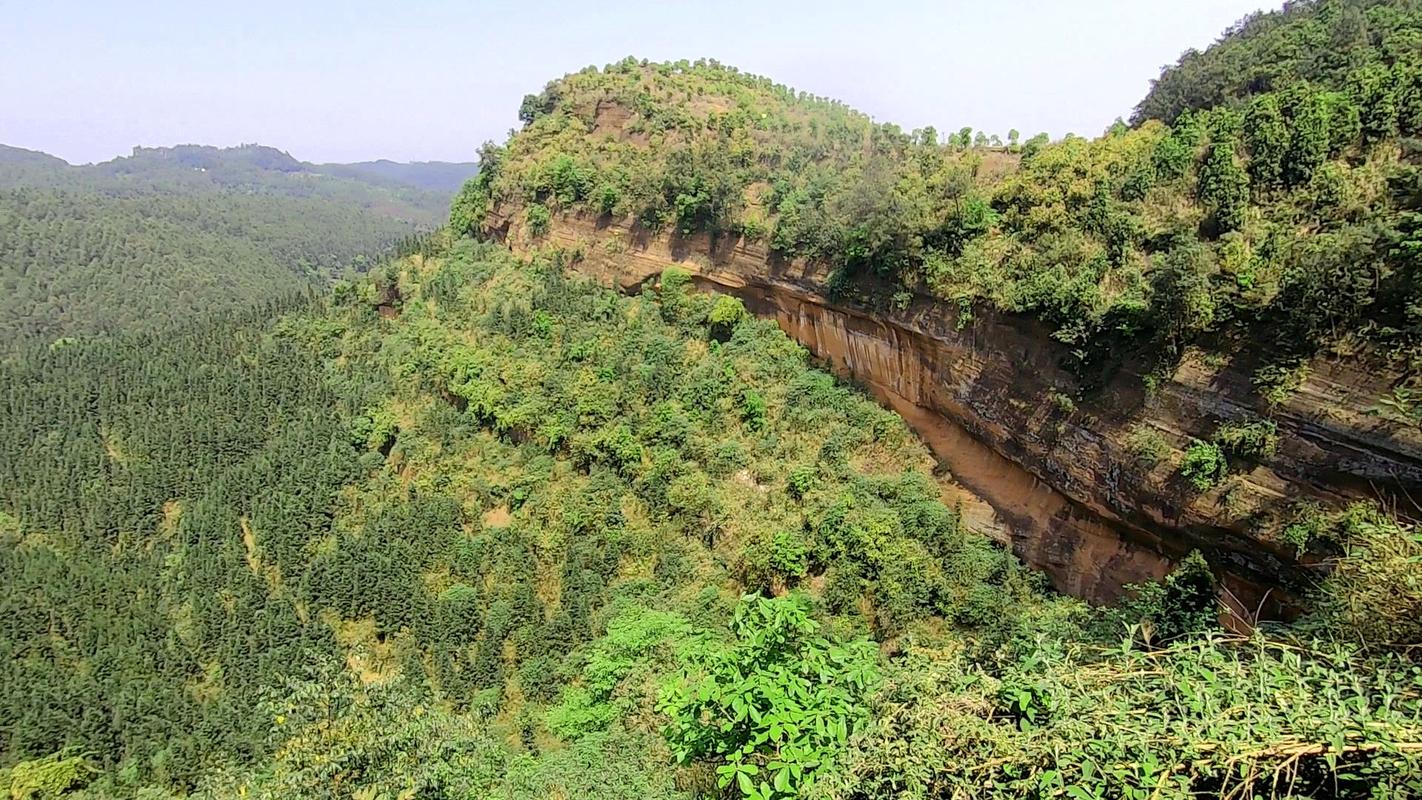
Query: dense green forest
170 232
471 526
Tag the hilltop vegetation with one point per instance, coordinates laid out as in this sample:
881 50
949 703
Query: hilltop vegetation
417 192
1362 45
1281 217
171 232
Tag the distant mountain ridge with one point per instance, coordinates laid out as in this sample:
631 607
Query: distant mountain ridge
442 176
169 232
19 155
19 166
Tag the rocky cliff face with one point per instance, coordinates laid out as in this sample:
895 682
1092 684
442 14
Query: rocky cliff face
1061 483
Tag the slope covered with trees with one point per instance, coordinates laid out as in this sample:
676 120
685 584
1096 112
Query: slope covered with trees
438 176
1363 45
473 527
170 232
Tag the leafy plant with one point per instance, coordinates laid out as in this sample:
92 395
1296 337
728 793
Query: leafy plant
46 778
1062 402
1402 405
1204 465
1255 441
726 313
1277 382
1186 603
538 219
772 707
1146 445
801 480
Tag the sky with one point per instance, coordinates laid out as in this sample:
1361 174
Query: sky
423 80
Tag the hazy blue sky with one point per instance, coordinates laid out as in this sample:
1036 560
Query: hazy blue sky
421 80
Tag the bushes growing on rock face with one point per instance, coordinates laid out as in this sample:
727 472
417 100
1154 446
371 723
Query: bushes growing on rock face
1254 441
538 219
1203 465
1147 446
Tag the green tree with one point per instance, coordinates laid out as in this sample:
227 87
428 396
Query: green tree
1223 186
1377 103
1266 137
1310 138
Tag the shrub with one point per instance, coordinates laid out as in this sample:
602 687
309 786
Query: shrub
1249 440
1146 445
607 197
1277 382
1062 402
1223 186
674 293
538 220
578 714
50 777
802 479
1373 596
470 207
844 586
909 582
637 639
615 446
776 561
1204 465
1307 524
726 313
692 499
772 707
1186 603
753 411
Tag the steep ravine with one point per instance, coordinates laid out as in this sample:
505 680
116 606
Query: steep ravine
1063 487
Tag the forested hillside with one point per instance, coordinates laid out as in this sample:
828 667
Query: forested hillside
1367 47
171 232
472 525
436 176
475 527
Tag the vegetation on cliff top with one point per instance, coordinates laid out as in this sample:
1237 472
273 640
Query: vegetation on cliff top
1282 214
